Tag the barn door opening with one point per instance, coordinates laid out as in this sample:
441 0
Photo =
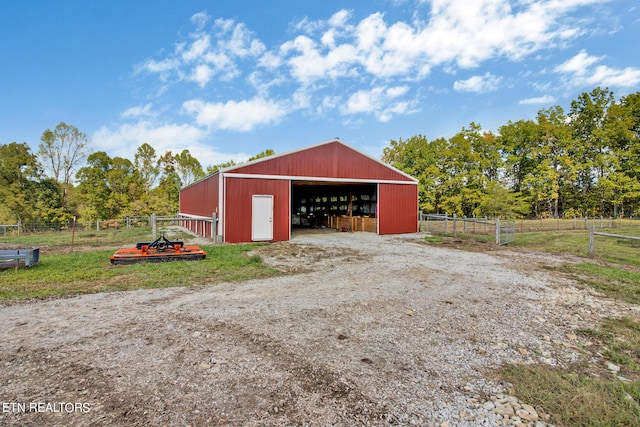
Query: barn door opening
262 217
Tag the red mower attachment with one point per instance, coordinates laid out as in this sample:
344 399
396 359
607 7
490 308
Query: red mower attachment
160 250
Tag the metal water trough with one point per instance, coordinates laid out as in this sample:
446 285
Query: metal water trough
15 257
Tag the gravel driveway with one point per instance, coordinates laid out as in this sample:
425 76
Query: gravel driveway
360 330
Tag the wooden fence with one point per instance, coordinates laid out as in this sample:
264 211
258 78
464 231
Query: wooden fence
592 239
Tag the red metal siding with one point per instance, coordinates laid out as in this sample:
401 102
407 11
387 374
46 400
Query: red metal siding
397 208
330 160
238 197
201 198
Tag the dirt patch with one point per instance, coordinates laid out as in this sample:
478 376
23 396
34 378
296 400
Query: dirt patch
361 330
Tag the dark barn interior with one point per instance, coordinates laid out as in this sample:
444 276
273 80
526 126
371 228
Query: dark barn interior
329 204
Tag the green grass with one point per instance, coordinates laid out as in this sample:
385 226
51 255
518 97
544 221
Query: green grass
434 239
87 270
576 398
588 394
613 281
576 242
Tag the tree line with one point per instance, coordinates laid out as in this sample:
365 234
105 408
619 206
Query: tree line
62 180
584 162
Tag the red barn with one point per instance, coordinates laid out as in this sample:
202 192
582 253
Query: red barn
326 185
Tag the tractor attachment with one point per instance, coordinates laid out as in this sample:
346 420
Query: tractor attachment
160 250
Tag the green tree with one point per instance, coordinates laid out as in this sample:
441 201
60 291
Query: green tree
124 185
62 151
499 202
265 153
166 195
211 169
19 171
588 122
518 141
146 162
93 189
188 168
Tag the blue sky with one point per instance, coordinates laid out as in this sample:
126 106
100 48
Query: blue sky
229 79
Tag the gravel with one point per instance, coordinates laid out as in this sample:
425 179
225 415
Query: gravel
359 329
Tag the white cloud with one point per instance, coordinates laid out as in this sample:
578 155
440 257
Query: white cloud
478 84
205 55
139 111
578 64
458 32
160 67
239 116
197 49
200 19
546 99
201 75
124 141
242 43
380 101
366 66
582 70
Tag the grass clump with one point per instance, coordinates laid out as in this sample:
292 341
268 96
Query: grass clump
433 239
588 394
612 281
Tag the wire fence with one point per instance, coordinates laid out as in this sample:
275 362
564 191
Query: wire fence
37 227
444 223
199 226
502 231
573 223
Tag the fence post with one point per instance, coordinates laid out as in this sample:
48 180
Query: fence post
600 221
592 242
586 222
214 228
574 222
454 224
420 221
498 231
446 221
464 224
154 229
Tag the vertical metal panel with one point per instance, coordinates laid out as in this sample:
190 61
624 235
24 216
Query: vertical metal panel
397 208
201 198
331 160
238 205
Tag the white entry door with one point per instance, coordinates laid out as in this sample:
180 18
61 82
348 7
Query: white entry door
262 217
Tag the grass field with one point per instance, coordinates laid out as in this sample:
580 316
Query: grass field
88 269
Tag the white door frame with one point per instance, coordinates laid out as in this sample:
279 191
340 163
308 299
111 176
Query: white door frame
261 217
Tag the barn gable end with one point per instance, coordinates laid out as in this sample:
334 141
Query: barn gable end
331 159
